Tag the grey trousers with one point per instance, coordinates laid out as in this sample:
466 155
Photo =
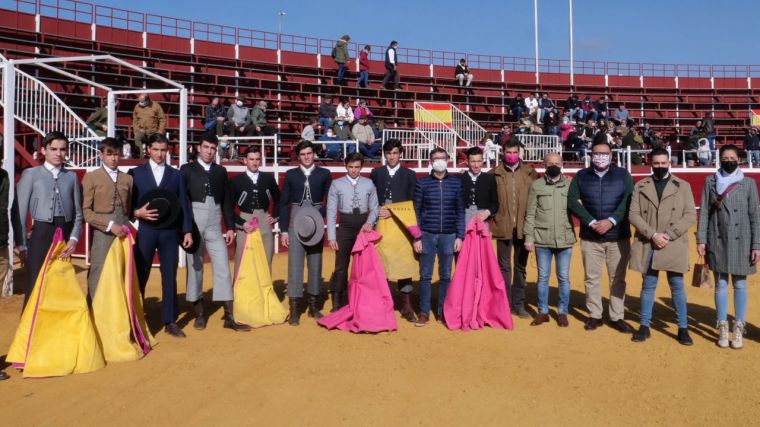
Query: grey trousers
101 244
208 218
296 254
266 236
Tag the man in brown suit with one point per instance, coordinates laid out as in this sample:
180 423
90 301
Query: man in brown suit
107 194
513 181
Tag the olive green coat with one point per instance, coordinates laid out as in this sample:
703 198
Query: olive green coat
547 221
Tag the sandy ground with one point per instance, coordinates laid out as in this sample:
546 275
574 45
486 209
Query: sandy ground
306 375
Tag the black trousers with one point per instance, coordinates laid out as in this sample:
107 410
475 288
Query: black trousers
514 274
391 76
38 247
350 227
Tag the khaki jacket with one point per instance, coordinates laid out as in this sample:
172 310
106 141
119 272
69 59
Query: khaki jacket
547 221
149 119
512 188
98 201
673 214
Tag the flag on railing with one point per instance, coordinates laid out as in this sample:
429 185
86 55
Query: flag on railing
439 111
755 117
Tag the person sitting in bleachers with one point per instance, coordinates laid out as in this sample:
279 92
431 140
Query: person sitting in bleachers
752 145
334 150
215 117
601 107
502 137
573 107
518 106
148 118
531 104
368 145
589 109
463 74
98 120
259 120
622 114
362 111
239 119
546 106
327 112
309 130
344 112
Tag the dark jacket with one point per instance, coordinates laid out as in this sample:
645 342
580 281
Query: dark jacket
293 189
752 142
173 180
593 198
482 192
242 191
398 189
462 69
196 178
15 221
213 112
388 63
327 110
439 205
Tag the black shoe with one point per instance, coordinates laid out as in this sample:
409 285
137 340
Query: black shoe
620 326
4 376
295 312
641 335
174 330
592 323
683 337
521 312
313 311
336 298
200 321
229 319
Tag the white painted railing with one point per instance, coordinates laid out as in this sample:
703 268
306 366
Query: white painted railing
468 129
265 143
438 132
418 144
538 146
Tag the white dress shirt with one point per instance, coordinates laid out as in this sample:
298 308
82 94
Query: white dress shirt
254 176
392 170
158 170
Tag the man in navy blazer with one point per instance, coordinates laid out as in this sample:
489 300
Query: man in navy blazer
157 174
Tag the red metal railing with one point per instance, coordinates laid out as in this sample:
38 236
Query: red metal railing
88 13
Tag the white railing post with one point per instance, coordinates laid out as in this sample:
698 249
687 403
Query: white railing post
111 105
9 147
628 159
183 126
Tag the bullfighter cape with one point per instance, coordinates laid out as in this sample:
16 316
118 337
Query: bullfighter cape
477 295
56 335
370 305
395 248
117 306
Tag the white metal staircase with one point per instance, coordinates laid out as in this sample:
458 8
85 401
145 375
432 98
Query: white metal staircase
38 107
465 128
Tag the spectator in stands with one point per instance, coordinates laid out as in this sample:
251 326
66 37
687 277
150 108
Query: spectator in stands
708 127
391 66
98 120
551 125
362 111
363 133
378 126
502 137
344 112
215 117
327 147
309 131
239 119
340 55
601 107
259 120
546 106
573 106
703 152
621 114
327 112
629 140
752 145
647 133
565 128
531 104
340 132
728 237
462 74
518 107
363 80
588 109
147 119
490 148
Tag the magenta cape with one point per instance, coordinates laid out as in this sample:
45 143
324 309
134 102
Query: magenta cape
370 305
477 296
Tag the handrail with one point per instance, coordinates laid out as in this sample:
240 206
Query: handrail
468 129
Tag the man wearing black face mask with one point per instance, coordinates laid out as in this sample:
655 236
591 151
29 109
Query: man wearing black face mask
599 196
662 211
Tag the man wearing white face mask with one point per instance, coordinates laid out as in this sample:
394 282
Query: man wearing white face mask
239 119
600 196
439 205
147 119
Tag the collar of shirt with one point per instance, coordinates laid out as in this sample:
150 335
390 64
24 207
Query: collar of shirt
601 173
352 180
113 173
206 166
308 171
155 166
473 177
52 169
392 170
253 175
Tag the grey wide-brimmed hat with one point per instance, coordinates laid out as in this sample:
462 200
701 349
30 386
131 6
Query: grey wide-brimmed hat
308 226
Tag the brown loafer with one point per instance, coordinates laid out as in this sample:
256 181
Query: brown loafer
562 321
539 319
422 320
591 324
174 330
620 326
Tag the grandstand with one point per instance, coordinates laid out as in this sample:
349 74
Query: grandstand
295 72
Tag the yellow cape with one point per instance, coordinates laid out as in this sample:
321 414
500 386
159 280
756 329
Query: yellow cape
395 248
117 306
55 335
256 303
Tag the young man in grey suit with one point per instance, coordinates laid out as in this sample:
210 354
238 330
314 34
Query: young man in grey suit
207 188
51 196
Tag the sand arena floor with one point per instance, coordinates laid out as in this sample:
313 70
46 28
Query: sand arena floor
306 375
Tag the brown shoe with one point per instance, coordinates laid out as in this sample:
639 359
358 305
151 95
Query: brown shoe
539 319
562 321
407 312
592 324
422 320
620 326
174 330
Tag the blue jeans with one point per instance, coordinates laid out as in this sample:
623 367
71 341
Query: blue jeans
341 72
755 158
677 291
517 112
325 122
332 150
363 77
562 261
721 295
369 150
432 245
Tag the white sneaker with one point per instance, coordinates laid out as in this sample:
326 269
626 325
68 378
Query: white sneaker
738 335
723 333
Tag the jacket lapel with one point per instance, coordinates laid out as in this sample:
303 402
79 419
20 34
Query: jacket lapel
650 192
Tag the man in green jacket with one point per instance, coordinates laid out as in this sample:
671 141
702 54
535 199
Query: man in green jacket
259 120
340 55
550 233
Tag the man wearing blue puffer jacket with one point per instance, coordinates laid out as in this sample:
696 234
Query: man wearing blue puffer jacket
439 205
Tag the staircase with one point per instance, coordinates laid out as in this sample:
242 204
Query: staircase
39 108
444 122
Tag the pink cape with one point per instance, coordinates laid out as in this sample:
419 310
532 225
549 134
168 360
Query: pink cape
370 305
476 295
